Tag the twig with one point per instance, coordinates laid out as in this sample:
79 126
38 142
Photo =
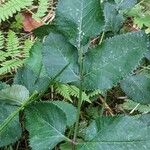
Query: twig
106 105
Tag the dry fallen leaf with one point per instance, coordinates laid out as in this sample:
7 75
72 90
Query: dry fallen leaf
30 23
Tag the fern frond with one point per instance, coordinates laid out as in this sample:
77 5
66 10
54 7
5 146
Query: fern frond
74 91
4 55
94 93
14 54
68 91
27 46
1 40
63 90
10 65
42 8
12 44
11 7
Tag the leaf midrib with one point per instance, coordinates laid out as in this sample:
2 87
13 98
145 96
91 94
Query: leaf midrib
64 57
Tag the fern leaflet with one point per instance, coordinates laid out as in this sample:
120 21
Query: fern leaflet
14 55
63 90
68 91
42 8
10 65
11 7
12 45
95 93
27 46
1 40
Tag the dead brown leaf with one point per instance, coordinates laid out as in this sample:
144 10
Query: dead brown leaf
30 23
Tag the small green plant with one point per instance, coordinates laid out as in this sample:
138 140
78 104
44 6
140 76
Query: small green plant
67 57
9 8
141 15
14 53
69 91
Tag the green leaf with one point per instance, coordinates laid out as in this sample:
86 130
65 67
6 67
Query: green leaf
147 55
69 110
32 81
11 7
13 130
65 146
16 94
80 20
9 65
63 90
58 53
69 91
27 46
44 30
42 8
13 43
34 62
125 4
140 14
113 20
74 91
113 60
3 85
46 124
117 133
1 40
33 75
137 87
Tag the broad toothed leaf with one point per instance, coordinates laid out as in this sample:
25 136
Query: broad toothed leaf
32 75
58 53
125 4
137 87
16 94
79 20
31 80
12 132
46 124
118 133
69 110
113 60
113 20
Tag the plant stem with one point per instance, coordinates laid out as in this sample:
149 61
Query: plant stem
78 116
12 115
80 53
106 106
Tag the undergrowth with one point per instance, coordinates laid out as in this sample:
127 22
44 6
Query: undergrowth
79 82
